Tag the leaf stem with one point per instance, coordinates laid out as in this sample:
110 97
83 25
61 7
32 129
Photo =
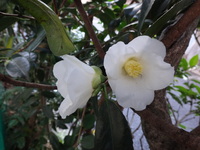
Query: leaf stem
89 28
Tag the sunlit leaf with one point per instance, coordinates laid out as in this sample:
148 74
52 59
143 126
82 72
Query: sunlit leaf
184 64
182 126
194 60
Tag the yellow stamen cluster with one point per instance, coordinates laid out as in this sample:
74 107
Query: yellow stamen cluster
133 68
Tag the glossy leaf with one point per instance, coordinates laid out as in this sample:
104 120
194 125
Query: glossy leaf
194 61
18 67
171 13
112 130
146 6
57 37
158 7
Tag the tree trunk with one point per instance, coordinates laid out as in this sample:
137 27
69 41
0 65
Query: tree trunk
182 30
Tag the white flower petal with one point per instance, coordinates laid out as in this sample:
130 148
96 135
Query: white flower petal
61 87
71 60
66 108
130 93
117 55
74 83
79 86
59 70
158 74
137 92
148 45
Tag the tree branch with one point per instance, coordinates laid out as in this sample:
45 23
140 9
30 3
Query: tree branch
89 28
196 131
9 80
158 129
178 135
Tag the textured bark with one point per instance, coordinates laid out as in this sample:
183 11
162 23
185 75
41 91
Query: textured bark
163 135
157 139
182 140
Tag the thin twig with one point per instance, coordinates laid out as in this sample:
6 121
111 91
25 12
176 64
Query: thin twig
89 28
196 38
17 15
141 145
81 128
55 7
9 80
173 114
136 129
63 3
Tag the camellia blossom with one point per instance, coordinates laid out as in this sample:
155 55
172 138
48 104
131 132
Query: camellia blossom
75 83
137 69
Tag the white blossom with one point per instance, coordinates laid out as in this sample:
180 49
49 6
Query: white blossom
135 70
75 83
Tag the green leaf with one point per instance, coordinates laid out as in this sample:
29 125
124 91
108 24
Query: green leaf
121 3
13 123
112 130
184 64
194 60
182 126
7 21
48 112
21 142
88 121
176 98
68 141
55 142
88 142
57 37
146 6
171 13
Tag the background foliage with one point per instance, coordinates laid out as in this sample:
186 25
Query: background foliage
30 117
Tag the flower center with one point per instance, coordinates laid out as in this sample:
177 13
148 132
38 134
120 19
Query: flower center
133 68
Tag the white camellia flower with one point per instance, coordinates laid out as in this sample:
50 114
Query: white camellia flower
75 83
137 69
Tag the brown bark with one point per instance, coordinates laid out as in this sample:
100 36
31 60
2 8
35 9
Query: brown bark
157 126
11 81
